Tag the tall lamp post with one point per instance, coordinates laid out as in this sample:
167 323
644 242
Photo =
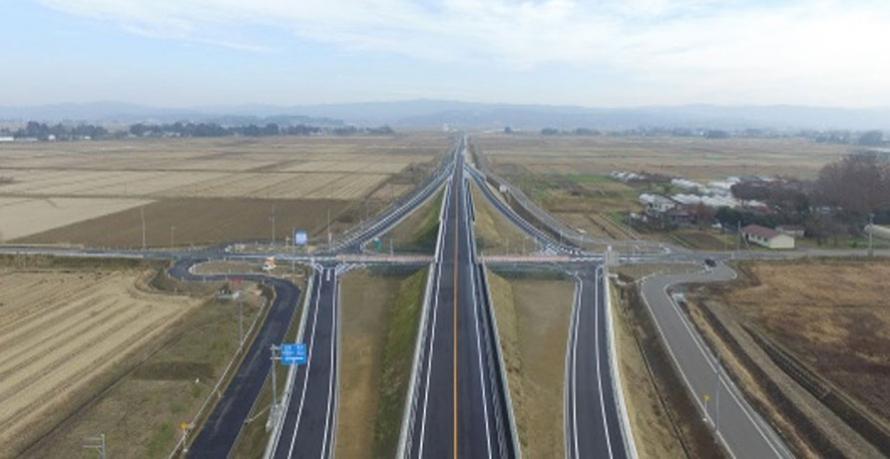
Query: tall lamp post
871 233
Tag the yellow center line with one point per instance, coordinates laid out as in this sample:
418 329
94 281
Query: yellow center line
455 317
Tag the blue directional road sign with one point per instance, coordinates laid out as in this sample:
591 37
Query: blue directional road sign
293 354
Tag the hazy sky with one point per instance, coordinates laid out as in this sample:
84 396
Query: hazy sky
596 53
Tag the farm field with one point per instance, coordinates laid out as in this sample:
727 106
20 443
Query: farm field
79 192
693 158
27 216
568 175
61 329
180 222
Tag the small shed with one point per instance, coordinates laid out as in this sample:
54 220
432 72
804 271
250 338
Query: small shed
767 237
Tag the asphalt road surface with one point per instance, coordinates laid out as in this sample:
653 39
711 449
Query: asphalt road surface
460 403
310 417
593 424
739 427
224 424
355 242
592 421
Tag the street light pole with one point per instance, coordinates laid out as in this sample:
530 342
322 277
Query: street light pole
142 214
275 356
172 236
871 232
273 228
240 321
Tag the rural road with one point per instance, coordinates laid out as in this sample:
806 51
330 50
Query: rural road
224 424
740 428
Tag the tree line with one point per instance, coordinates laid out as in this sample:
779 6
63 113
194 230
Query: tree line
59 131
846 195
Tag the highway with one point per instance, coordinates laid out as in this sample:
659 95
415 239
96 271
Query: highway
739 427
593 424
308 429
224 424
543 238
592 420
459 399
459 406
355 242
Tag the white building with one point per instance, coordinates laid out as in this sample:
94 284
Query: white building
657 203
767 237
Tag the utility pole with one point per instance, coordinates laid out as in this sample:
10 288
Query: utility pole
276 355
273 227
329 225
738 244
172 237
240 318
717 402
871 232
142 214
97 443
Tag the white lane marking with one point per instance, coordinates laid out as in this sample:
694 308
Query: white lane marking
293 439
599 379
331 373
567 384
710 362
479 355
429 364
575 370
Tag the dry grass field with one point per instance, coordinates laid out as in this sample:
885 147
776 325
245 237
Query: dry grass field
494 233
807 342
694 158
834 315
27 216
294 174
533 324
60 329
380 318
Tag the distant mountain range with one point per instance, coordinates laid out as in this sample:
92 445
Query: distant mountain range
469 115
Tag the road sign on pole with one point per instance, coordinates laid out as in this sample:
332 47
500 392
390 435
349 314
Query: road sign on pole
294 354
301 237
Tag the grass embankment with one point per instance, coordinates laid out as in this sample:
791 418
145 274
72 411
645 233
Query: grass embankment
418 232
494 233
538 310
141 408
381 310
652 428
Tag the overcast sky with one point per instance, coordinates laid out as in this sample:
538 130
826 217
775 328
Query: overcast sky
594 53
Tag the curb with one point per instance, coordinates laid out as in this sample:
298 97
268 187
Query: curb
617 385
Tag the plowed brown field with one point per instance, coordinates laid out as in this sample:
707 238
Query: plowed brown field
59 330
